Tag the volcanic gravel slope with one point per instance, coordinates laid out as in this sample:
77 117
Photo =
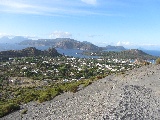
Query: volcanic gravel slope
134 95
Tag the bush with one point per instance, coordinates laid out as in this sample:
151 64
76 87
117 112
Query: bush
8 108
44 96
48 94
158 61
28 97
87 82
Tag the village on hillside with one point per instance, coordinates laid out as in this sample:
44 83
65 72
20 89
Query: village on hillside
42 75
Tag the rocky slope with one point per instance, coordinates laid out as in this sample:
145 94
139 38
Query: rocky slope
133 95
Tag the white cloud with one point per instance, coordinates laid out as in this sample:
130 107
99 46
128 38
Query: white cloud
11 36
13 4
2 34
5 34
60 34
27 7
123 43
92 2
51 8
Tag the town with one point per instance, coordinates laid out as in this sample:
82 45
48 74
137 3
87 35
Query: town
21 71
40 77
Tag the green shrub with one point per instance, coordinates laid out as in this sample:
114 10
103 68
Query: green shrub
48 94
28 97
72 87
87 82
58 89
158 61
44 96
8 108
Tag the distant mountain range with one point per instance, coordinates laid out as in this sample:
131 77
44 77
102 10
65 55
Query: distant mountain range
63 43
15 43
67 43
16 39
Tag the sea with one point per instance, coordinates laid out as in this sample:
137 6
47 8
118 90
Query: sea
67 52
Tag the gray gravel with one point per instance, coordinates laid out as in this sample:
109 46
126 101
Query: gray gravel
134 95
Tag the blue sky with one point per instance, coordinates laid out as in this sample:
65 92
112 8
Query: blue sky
131 23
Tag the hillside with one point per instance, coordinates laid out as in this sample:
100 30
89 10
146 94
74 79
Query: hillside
28 52
126 54
129 96
72 44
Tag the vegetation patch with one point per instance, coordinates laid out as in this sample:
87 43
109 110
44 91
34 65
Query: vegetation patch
7 108
158 61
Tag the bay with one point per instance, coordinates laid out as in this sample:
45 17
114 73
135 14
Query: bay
68 52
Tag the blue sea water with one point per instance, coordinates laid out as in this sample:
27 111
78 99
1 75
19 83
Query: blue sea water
68 52
74 53
153 52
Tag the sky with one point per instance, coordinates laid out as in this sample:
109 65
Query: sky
130 23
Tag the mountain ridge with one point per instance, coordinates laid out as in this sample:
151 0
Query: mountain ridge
125 54
64 43
28 52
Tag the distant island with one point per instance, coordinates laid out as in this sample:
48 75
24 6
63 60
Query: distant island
19 43
63 43
67 43
114 48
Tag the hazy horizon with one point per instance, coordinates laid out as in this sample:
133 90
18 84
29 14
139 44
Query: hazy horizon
99 45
